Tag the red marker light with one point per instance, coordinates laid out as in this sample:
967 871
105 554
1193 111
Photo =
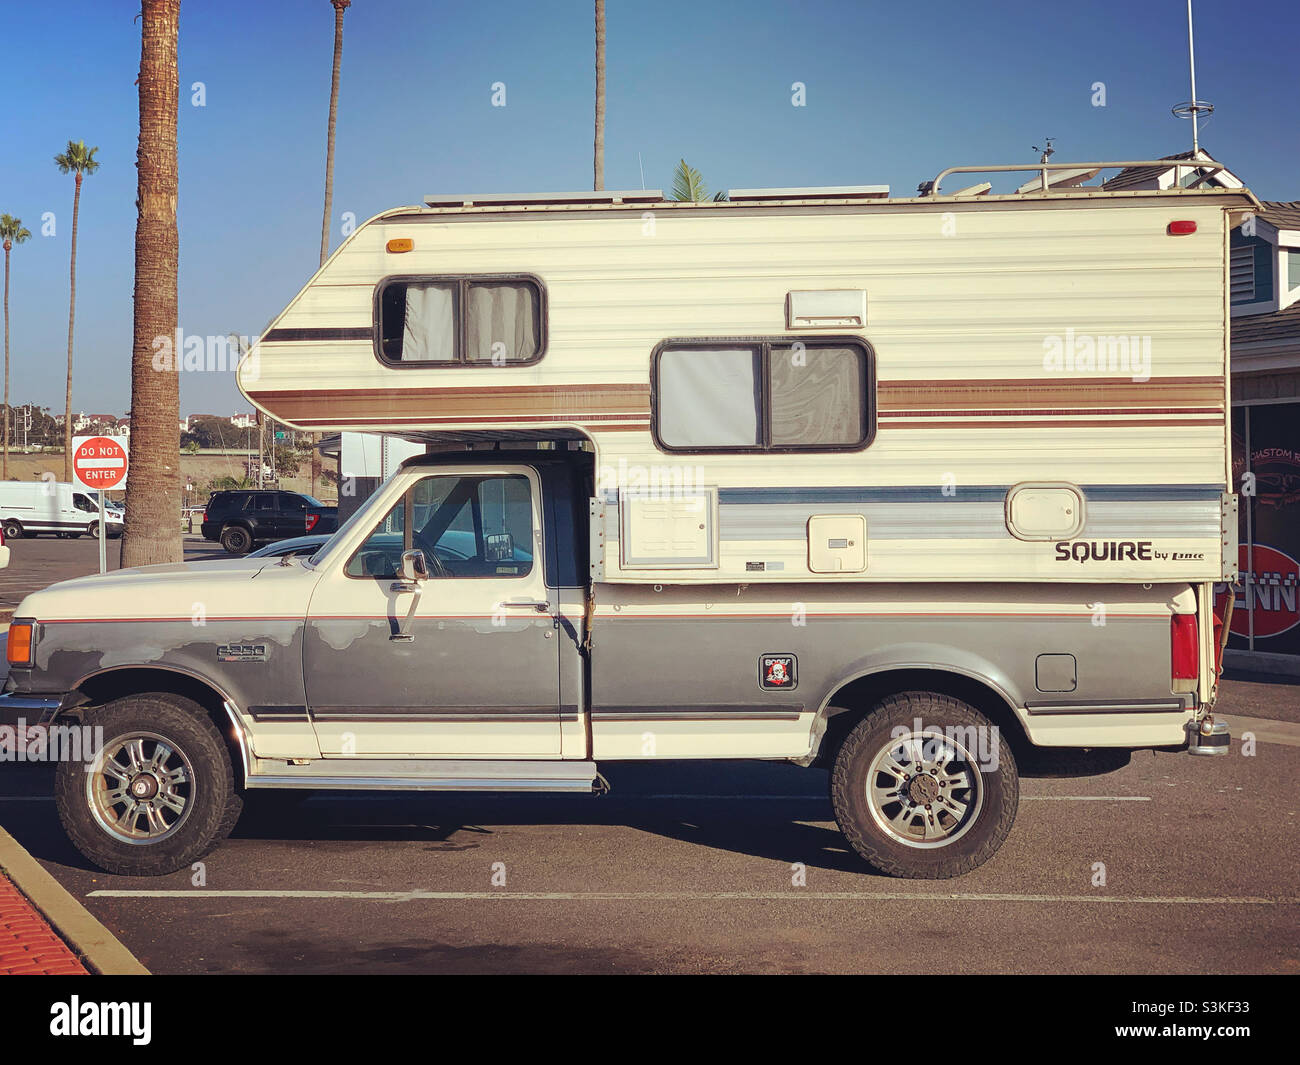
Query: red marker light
1179 229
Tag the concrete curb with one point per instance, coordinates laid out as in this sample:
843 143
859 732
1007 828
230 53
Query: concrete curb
1264 729
100 951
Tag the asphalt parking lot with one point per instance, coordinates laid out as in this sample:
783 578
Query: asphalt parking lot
1171 864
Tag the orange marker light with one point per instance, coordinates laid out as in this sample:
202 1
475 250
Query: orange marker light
400 244
1179 229
19 647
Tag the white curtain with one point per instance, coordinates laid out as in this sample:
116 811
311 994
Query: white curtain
429 334
504 314
709 398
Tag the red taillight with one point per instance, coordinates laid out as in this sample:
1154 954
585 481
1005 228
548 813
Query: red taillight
1183 644
205 515
312 519
1181 228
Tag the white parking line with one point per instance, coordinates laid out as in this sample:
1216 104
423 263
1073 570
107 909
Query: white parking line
694 896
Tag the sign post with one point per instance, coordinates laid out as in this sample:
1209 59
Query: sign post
99 463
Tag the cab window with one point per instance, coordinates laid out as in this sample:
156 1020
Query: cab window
468 526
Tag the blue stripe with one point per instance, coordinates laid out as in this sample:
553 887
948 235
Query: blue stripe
959 494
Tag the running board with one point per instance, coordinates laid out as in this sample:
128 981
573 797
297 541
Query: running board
356 774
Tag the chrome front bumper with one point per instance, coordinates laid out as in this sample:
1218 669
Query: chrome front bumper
21 716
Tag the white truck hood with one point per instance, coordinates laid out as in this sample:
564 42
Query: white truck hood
224 588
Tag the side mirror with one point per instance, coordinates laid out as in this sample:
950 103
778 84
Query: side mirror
414 568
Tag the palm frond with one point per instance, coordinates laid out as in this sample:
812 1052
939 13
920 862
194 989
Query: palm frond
11 229
77 159
688 185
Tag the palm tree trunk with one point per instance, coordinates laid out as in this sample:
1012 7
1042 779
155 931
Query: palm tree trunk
4 470
339 7
599 155
153 492
72 317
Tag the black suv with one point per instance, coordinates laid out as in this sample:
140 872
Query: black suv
239 520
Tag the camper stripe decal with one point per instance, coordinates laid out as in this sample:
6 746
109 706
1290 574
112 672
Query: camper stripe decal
930 404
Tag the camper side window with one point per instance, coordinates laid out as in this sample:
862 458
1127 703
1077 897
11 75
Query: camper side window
763 395
475 321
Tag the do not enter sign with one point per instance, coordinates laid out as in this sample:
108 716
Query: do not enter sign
98 462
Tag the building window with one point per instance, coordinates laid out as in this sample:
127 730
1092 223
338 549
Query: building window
460 321
763 395
1242 274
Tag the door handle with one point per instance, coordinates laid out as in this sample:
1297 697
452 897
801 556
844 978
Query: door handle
542 606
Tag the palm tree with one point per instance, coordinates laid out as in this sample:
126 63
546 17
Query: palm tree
153 491
599 163
79 161
689 186
11 233
339 7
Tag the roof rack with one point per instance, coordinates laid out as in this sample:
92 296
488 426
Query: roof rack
826 192
1042 169
498 199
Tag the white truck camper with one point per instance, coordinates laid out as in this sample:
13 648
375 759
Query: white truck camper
908 489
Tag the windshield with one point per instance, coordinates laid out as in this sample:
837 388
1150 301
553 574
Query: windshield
312 501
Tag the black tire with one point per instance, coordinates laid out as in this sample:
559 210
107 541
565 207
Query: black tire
236 540
988 804
211 806
13 530
92 530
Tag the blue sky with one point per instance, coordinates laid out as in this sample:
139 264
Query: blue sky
895 93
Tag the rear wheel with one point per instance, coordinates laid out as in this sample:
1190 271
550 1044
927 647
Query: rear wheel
158 795
925 787
236 539
13 530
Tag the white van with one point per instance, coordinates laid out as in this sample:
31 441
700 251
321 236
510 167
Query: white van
31 507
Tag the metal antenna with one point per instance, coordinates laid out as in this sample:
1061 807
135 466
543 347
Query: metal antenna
1193 108
1048 152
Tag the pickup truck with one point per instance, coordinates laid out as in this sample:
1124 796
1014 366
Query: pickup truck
239 520
453 635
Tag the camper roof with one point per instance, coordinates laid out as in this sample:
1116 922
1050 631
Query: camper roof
1063 181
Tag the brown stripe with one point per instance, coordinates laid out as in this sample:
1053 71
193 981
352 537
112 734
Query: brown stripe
565 401
1018 394
1107 423
1028 411
895 399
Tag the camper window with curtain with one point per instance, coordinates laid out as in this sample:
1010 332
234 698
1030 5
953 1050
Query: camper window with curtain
763 395
428 321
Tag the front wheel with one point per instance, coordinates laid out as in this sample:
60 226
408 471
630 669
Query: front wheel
925 787
159 793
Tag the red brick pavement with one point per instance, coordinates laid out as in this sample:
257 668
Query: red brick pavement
28 946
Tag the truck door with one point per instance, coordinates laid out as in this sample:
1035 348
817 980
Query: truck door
462 664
